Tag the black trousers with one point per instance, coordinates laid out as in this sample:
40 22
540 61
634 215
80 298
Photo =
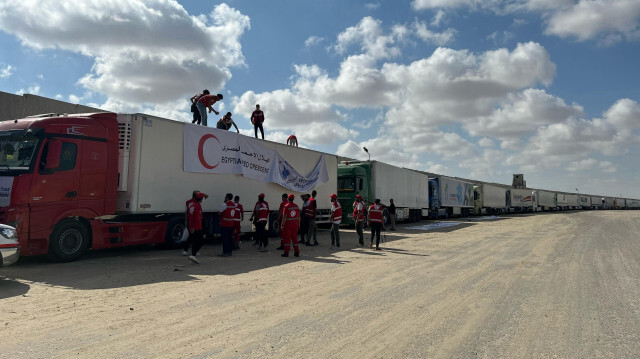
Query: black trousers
257 126
261 234
195 240
375 230
196 117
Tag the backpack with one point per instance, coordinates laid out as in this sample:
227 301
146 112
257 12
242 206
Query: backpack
194 108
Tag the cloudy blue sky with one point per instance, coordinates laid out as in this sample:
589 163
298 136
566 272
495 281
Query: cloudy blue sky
473 88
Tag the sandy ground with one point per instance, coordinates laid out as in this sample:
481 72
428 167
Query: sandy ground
563 285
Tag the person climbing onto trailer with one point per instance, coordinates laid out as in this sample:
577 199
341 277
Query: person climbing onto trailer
205 102
292 141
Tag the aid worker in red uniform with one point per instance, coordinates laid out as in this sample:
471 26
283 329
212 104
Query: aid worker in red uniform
227 214
194 215
376 222
336 219
260 218
185 247
358 217
310 216
237 219
282 204
290 225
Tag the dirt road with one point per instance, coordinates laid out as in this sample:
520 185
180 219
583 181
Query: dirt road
563 285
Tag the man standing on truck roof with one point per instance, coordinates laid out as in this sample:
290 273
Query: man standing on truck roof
336 219
194 214
185 248
194 107
358 217
260 218
227 213
205 102
290 225
282 204
310 213
392 215
257 118
376 222
237 219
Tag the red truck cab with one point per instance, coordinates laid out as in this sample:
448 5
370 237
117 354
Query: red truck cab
58 175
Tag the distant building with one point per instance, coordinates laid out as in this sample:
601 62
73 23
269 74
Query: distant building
19 106
518 181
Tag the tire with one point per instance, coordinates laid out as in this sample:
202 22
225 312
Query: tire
69 240
173 233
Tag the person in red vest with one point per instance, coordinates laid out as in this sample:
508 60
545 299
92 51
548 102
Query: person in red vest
376 222
290 225
187 243
194 214
237 219
227 214
336 219
292 141
310 213
279 220
358 217
260 218
205 102
257 118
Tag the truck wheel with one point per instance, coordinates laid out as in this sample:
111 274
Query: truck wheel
69 240
173 233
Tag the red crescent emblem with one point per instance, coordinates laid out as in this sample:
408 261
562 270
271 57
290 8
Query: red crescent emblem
201 151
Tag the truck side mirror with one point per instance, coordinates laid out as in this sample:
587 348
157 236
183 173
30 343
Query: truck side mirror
54 148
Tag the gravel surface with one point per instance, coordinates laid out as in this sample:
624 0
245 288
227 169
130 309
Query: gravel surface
549 285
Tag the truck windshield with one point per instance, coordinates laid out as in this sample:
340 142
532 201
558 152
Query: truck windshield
347 183
16 152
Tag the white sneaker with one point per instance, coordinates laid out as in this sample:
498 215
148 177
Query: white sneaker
185 253
194 259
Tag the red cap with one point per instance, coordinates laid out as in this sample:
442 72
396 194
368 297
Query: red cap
199 195
333 196
291 197
358 196
261 195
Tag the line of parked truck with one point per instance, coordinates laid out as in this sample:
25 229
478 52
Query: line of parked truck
69 183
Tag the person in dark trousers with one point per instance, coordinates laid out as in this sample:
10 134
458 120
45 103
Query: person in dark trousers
227 213
187 243
260 218
311 216
336 219
194 107
376 222
279 220
392 215
358 217
257 118
205 102
225 123
194 213
304 221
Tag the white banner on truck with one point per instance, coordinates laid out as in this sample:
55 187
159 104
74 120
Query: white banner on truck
211 150
6 183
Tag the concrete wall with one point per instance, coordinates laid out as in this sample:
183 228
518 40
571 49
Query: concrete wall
15 106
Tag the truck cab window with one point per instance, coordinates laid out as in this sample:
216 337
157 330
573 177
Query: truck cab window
68 155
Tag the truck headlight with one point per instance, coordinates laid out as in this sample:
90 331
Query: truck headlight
9 233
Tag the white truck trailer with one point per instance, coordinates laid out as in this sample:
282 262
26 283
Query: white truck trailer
450 196
522 199
584 201
489 199
154 178
597 202
547 201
